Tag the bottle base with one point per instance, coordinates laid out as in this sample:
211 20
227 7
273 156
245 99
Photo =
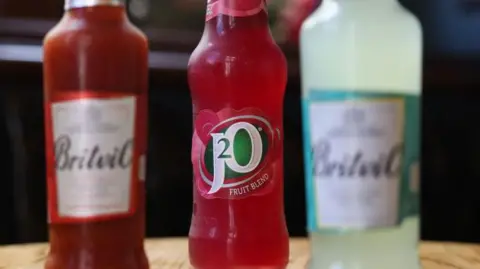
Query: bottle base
72 260
205 253
241 267
393 248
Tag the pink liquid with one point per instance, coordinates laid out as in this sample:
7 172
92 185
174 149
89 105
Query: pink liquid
238 65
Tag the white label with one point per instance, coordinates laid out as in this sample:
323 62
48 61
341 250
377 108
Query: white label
94 150
357 149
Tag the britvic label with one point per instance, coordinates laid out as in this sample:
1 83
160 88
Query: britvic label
93 156
362 159
238 8
232 153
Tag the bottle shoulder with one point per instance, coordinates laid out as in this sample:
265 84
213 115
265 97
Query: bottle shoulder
336 16
209 54
380 51
390 31
71 32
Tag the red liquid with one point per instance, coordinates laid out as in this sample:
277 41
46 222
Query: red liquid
238 65
95 51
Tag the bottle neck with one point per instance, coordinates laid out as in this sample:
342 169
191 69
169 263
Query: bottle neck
228 17
73 4
96 11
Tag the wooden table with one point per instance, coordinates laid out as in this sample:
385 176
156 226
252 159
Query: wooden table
172 253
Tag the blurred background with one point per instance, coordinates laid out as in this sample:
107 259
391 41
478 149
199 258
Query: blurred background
451 113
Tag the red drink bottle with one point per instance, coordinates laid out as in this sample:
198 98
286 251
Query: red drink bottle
237 76
95 67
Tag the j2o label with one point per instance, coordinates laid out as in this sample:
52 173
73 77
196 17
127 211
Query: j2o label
224 156
232 153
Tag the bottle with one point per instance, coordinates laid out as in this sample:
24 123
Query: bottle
237 76
95 100
361 72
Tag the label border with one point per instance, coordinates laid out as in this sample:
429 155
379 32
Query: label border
330 96
139 150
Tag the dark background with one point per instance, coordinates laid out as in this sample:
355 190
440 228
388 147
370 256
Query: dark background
451 113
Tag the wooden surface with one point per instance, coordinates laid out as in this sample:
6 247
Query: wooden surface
173 253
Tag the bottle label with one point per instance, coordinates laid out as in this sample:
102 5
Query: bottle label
238 8
94 154
362 159
233 153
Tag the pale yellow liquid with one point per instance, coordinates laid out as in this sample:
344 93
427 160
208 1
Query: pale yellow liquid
381 249
368 45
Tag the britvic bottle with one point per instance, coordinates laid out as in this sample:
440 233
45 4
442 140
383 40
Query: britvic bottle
95 67
237 75
361 81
